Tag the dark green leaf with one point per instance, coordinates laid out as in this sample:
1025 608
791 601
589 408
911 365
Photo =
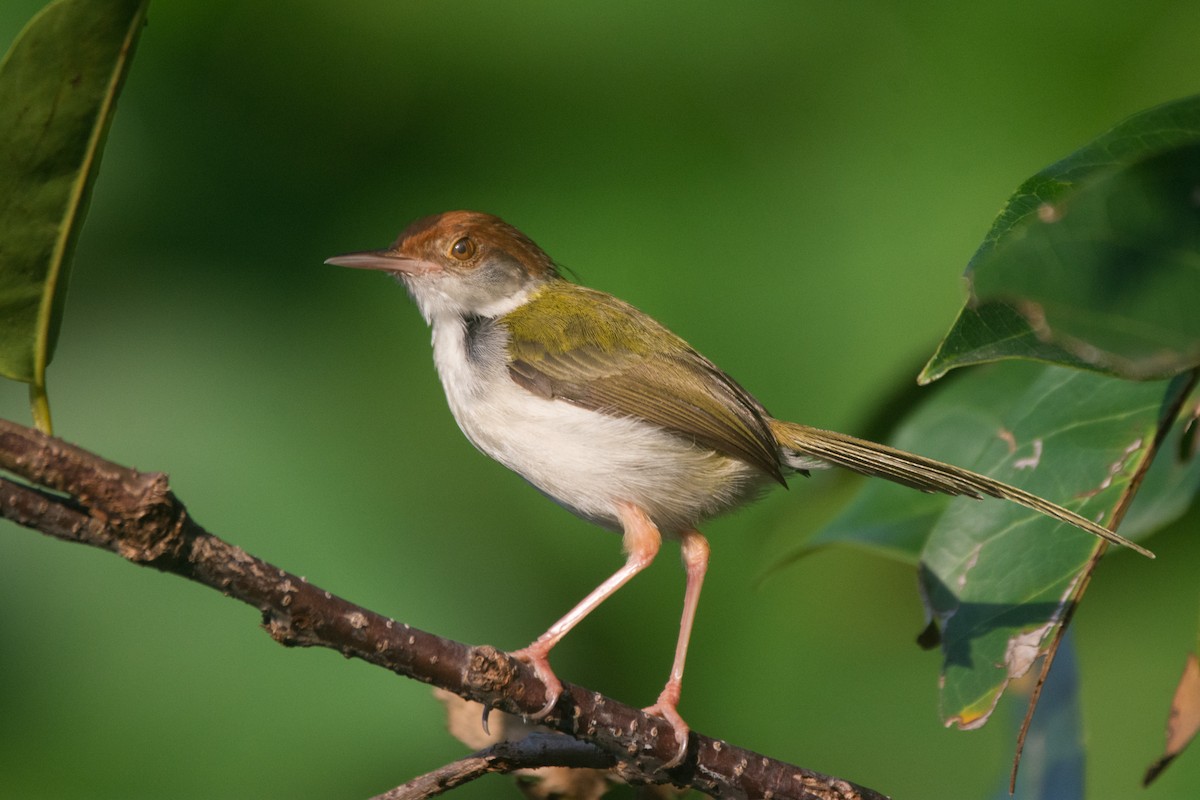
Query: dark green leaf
58 86
992 331
1148 132
1095 261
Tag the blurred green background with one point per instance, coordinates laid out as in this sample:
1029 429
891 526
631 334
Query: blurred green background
794 187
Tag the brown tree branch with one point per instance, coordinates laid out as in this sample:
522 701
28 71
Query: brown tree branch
72 494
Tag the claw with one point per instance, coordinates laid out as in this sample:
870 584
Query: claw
535 657
667 709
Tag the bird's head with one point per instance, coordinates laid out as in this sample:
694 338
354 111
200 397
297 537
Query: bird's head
461 262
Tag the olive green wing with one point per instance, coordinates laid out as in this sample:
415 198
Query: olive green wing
592 350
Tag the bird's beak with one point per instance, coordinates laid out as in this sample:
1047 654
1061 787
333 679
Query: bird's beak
385 260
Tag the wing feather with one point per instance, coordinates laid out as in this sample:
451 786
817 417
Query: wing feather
590 349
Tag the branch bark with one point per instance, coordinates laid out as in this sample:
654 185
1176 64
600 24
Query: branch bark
69 493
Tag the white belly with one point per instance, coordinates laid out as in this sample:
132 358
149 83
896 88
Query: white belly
584 460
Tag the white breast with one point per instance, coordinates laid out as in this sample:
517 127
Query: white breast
584 460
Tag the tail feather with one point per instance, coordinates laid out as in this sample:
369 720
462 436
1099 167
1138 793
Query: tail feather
805 444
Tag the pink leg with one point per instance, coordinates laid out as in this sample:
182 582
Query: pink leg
641 540
694 549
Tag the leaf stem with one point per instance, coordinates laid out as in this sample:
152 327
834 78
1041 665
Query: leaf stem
39 403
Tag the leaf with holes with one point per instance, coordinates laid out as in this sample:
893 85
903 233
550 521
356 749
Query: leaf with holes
997 577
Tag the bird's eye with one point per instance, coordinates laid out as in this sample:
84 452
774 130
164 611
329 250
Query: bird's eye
463 249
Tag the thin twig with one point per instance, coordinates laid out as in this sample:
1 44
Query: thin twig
1168 416
534 751
75 495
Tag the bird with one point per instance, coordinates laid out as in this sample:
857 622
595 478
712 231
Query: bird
617 419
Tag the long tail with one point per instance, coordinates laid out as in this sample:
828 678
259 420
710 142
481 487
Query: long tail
918 472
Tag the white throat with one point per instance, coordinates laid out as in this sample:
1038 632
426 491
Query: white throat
440 301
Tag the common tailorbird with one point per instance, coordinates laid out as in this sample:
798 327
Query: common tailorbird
615 417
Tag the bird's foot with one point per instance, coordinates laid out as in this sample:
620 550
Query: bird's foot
535 657
667 708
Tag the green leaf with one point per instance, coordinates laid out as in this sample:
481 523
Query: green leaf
58 86
955 424
1001 580
998 578
991 331
1095 261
